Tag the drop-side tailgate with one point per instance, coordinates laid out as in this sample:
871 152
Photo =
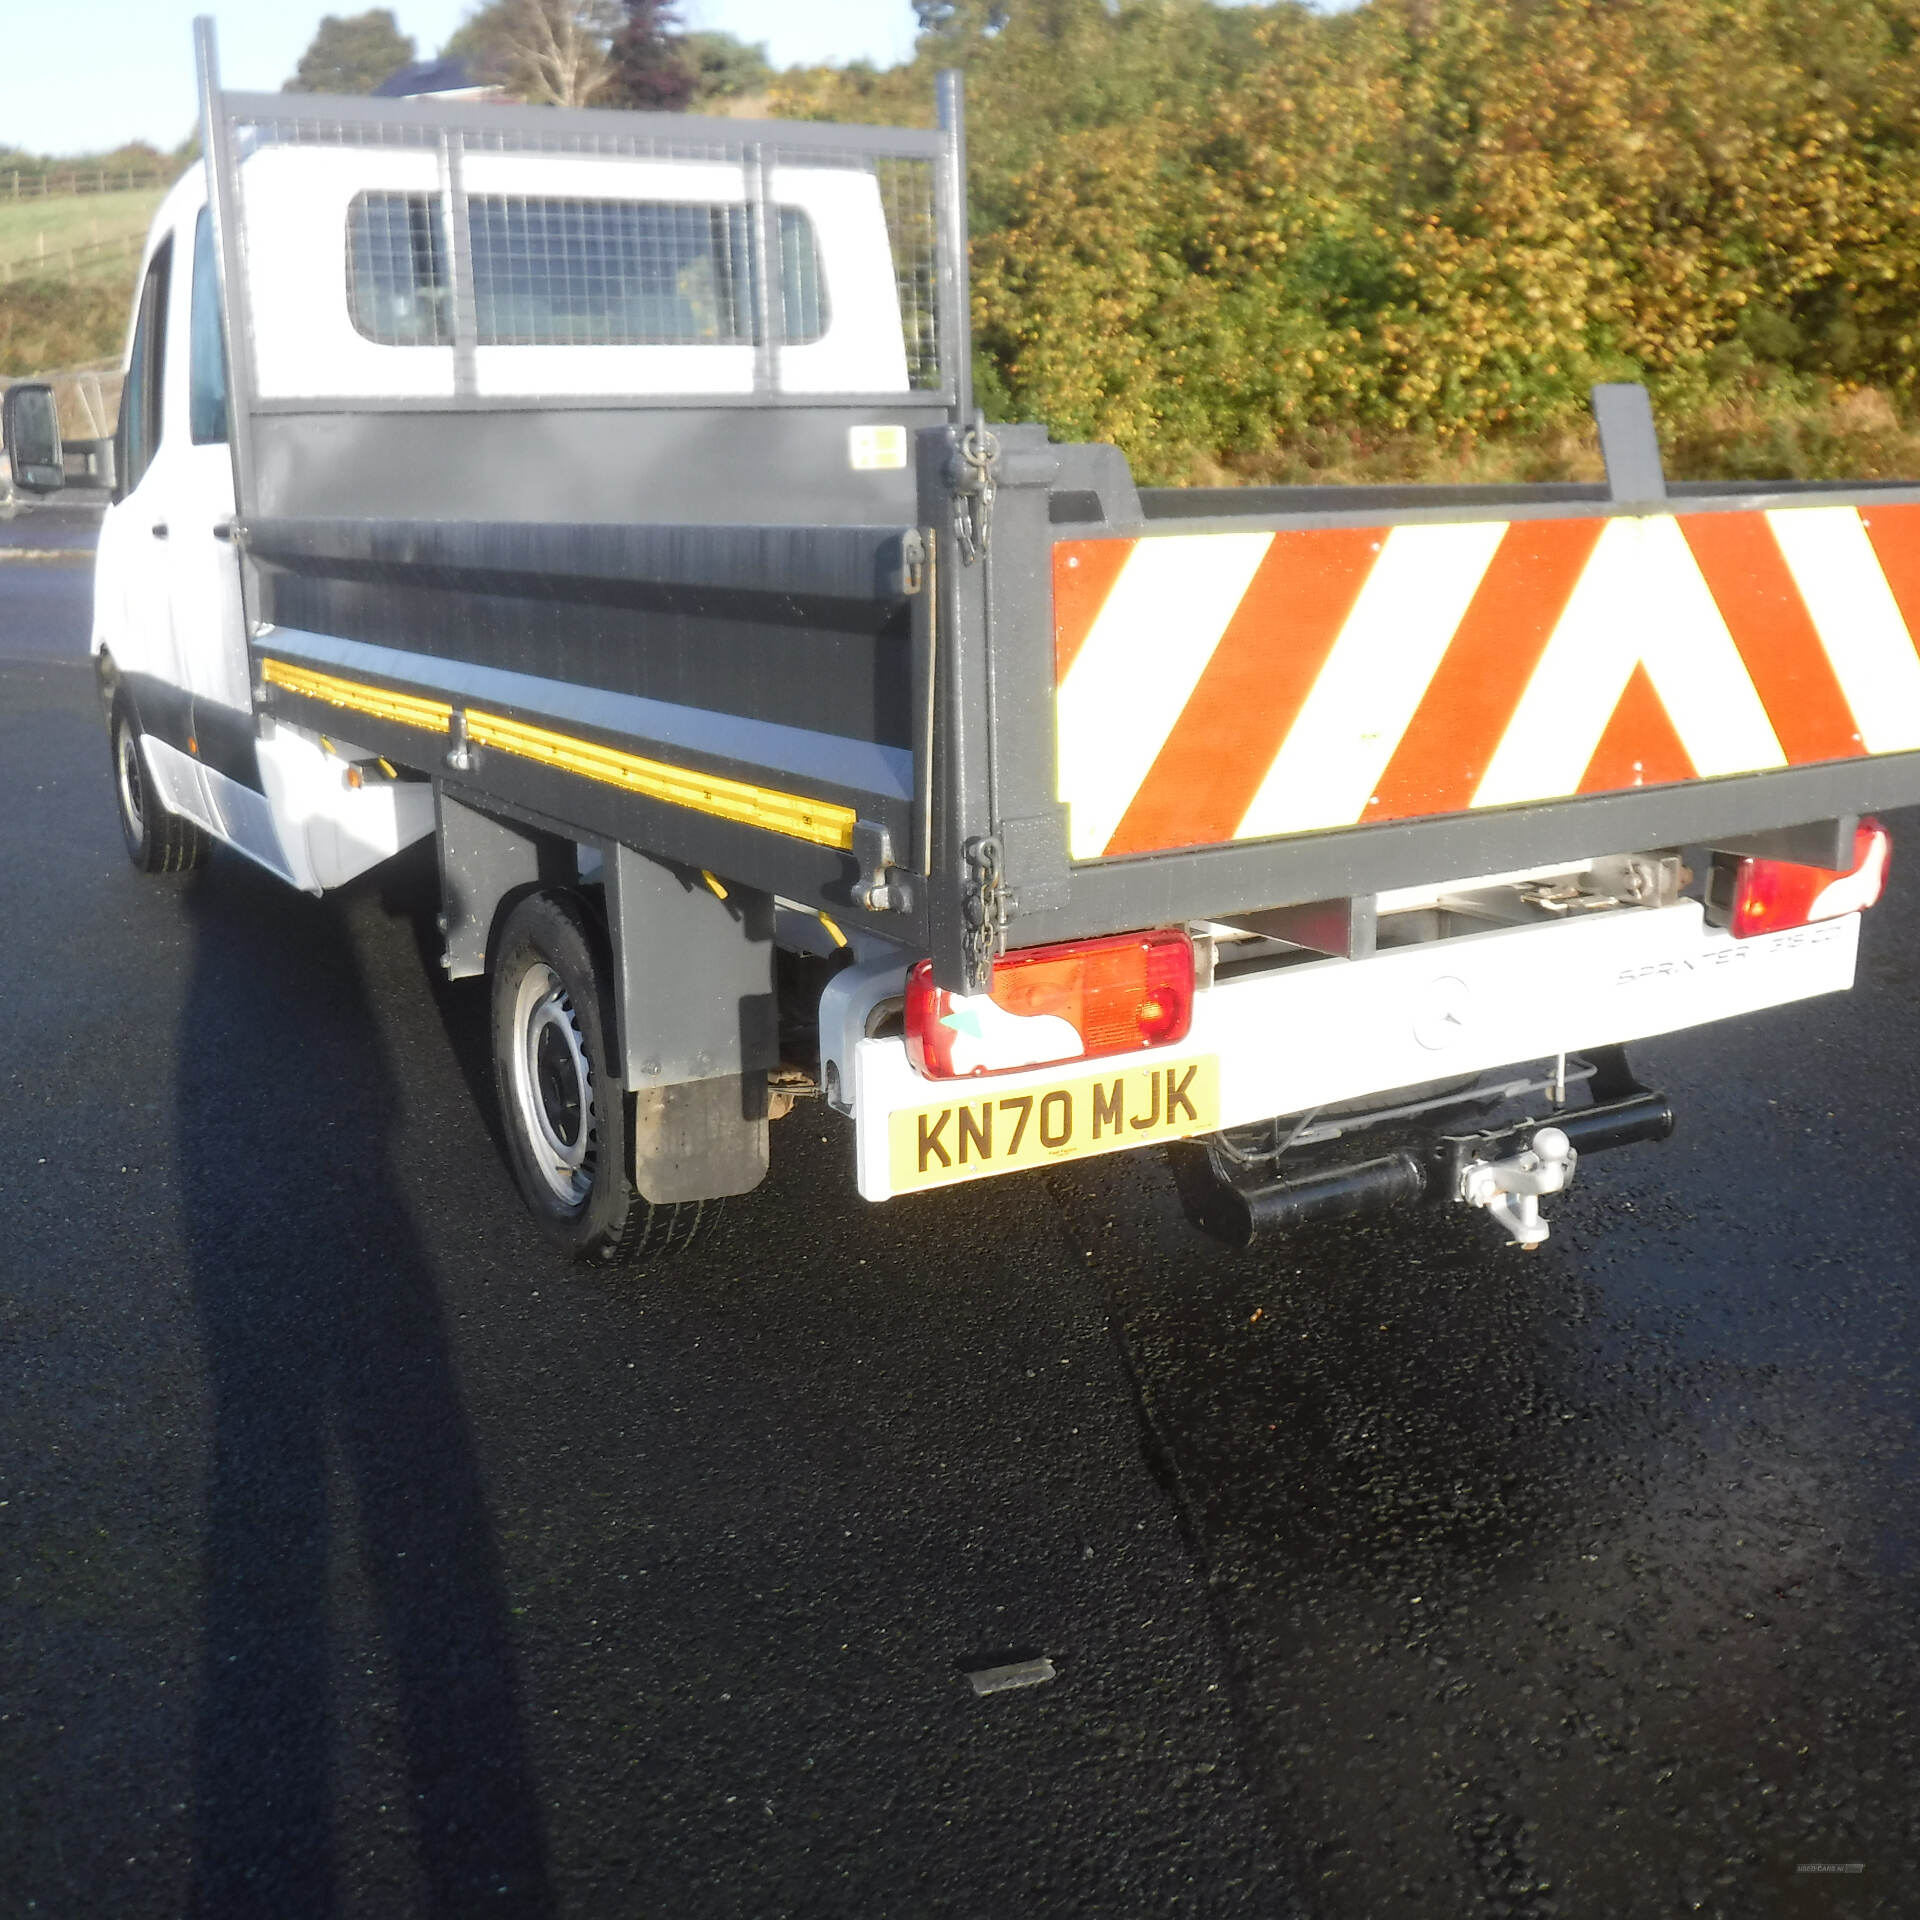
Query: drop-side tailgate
735 697
1467 693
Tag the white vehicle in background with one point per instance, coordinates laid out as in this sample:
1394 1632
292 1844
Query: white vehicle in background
602 495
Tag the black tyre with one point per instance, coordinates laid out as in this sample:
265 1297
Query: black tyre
158 840
567 1121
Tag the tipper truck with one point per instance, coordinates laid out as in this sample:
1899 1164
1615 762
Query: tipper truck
601 496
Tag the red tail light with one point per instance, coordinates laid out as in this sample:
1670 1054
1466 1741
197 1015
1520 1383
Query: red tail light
1074 1002
1770 895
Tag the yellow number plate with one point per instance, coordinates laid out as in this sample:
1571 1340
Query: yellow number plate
986 1131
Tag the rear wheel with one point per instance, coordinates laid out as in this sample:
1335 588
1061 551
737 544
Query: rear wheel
158 840
568 1121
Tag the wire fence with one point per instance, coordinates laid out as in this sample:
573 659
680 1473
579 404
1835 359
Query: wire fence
55 263
15 185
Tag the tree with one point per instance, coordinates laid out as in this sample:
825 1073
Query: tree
725 68
616 53
352 53
551 53
473 43
651 67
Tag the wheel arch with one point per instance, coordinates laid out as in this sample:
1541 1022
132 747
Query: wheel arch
688 975
111 683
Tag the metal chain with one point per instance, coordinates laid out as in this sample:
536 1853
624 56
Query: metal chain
971 475
986 911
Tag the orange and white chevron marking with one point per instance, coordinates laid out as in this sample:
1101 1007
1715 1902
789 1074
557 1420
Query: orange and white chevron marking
1215 687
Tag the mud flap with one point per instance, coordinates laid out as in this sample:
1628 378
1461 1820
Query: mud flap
700 1140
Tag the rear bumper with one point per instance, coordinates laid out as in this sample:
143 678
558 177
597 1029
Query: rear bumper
1307 1035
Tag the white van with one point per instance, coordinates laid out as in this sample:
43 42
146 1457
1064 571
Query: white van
602 495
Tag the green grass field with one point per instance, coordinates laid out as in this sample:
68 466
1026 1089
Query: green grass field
56 310
75 220
47 325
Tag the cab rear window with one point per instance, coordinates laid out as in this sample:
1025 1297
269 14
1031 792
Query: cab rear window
398 289
609 273
575 272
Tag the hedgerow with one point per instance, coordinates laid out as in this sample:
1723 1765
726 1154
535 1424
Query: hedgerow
1243 240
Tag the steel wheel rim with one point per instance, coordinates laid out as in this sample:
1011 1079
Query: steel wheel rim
553 1086
133 786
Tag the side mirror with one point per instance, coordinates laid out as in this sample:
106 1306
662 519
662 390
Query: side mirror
30 432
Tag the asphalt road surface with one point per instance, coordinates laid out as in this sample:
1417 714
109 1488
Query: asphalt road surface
357 1560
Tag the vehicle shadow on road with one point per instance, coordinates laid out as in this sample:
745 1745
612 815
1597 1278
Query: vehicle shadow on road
329 1362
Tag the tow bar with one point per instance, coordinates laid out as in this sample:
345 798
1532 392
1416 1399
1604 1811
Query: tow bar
1507 1172
1511 1189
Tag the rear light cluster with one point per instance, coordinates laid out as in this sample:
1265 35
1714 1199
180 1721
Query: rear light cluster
1769 896
1048 1004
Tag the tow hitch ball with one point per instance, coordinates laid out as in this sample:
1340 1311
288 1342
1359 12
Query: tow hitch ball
1511 1189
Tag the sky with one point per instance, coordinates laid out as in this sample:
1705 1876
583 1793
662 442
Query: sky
81 76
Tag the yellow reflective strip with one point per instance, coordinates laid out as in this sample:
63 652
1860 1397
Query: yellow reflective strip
382 702
839 938
820 821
